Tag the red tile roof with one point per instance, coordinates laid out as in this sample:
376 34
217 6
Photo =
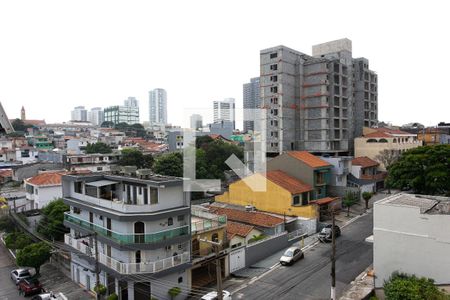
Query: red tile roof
45 179
309 159
292 184
253 218
240 229
323 201
385 133
6 173
364 162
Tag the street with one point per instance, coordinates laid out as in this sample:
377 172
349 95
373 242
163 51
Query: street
310 277
8 290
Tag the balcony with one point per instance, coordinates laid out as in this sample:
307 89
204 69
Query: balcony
127 268
128 238
378 176
203 221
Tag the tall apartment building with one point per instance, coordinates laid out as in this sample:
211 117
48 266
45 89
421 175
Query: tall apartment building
96 116
158 106
79 113
128 113
142 229
252 100
313 102
196 121
225 111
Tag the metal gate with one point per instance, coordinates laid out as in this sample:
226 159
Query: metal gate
237 260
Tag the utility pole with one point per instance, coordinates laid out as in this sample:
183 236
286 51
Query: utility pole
97 275
333 257
217 246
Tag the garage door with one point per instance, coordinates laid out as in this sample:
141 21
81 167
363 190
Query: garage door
237 260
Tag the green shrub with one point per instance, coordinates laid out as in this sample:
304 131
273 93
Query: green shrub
17 240
100 289
7 224
173 292
113 296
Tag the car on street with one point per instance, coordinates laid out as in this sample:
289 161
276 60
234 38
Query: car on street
30 286
325 235
291 255
18 274
48 296
213 296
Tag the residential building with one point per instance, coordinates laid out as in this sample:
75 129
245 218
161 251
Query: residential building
27 154
239 234
315 103
410 236
122 114
157 106
221 127
96 116
5 175
142 229
252 101
43 188
40 142
92 162
131 101
365 175
175 139
278 193
206 226
375 140
196 121
341 168
79 113
225 111
5 124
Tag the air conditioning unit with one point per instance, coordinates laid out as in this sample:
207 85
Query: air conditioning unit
250 208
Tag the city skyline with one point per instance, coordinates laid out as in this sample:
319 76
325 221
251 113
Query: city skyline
106 79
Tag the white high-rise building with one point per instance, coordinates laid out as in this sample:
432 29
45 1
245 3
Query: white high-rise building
131 102
158 106
224 111
96 116
196 121
79 113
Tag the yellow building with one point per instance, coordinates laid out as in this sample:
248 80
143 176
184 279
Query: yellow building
276 192
376 140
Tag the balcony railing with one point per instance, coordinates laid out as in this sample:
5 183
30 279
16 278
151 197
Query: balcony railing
126 238
127 268
209 221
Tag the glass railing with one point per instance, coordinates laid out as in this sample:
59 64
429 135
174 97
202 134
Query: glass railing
124 238
208 224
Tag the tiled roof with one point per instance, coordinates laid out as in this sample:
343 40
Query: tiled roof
45 179
377 134
6 173
253 218
292 184
386 133
364 162
240 229
309 159
323 201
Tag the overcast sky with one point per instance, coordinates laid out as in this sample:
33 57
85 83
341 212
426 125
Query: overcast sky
55 55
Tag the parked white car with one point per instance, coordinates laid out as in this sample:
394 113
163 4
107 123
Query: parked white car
213 296
291 255
19 274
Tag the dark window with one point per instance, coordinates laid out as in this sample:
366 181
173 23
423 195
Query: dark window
305 198
145 195
274 67
296 200
170 221
153 195
180 279
274 89
78 187
76 210
215 237
140 190
180 218
273 55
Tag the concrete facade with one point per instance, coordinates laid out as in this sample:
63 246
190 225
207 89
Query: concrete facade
310 100
252 100
224 110
410 236
157 106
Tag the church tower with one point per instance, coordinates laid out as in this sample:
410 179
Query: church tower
22 114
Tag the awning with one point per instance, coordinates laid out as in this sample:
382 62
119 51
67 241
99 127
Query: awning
324 201
100 183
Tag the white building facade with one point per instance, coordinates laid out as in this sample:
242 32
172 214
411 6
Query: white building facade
157 106
225 111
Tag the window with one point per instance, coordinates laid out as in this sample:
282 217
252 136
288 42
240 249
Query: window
153 195
274 100
296 200
320 178
274 67
145 195
305 198
180 218
76 210
180 279
99 168
274 89
274 78
78 186
215 237
273 55
169 221
36 191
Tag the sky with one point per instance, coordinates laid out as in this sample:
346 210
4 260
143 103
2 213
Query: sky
55 55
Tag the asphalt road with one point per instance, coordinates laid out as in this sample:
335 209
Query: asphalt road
310 277
8 290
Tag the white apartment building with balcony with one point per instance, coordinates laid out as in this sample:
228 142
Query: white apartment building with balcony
143 233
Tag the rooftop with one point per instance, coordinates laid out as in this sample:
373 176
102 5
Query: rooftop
253 218
45 179
364 162
234 228
292 184
427 204
309 159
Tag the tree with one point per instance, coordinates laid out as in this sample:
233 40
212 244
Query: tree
34 255
349 200
107 124
19 125
366 196
17 240
170 164
6 224
388 157
173 292
402 286
51 225
134 157
98 147
425 170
